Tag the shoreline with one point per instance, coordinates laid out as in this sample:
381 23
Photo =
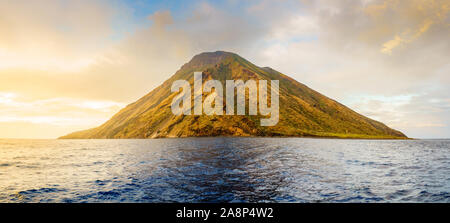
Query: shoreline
308 137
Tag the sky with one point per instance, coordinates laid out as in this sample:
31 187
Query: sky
68 65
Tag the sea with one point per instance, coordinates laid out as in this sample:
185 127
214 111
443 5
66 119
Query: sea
221 169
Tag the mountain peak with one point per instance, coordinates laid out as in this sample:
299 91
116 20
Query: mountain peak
210 58
211 55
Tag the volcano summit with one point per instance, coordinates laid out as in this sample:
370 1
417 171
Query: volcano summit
302 111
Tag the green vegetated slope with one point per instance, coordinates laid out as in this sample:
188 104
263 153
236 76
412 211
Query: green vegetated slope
303 111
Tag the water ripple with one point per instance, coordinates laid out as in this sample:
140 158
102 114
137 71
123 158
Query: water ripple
225 170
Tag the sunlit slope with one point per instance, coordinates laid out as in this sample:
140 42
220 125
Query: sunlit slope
303 111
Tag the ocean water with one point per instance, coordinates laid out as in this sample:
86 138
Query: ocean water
225 170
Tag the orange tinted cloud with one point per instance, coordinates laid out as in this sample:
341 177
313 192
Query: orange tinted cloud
409 19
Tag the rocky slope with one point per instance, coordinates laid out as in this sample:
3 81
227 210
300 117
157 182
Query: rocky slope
303 111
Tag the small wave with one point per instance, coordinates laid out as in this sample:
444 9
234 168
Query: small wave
42 190
426 196
399 194
29 195
102 182
107 194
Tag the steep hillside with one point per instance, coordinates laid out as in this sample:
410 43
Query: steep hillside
303 111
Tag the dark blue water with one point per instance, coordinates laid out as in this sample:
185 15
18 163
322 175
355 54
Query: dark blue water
225 170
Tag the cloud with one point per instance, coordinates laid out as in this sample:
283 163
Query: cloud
423 115
161 19
56 111
49 35
416 18
23 117
391 44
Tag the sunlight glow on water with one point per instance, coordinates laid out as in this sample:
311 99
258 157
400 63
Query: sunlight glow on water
225 170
